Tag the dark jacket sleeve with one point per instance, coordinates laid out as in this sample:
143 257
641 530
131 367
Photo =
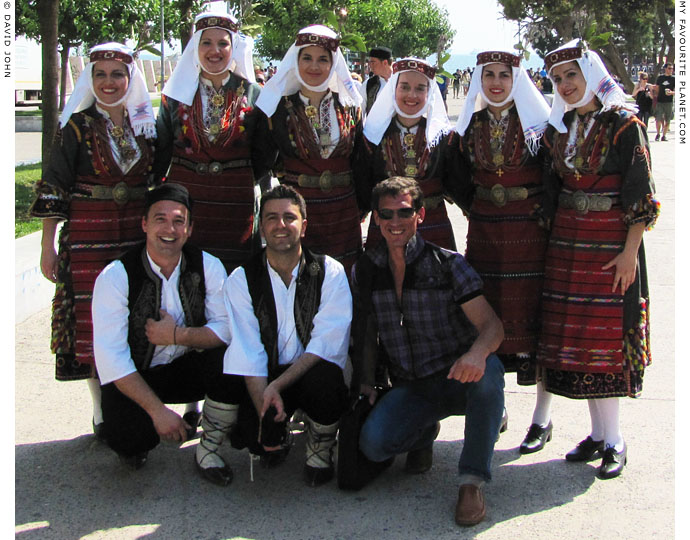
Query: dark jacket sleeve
164 138
457 180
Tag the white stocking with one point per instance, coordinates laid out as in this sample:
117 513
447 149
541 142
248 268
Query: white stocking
95 389
609 410
597 433
542 409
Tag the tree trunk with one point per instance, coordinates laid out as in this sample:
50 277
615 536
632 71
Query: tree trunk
665 28
48 23
64 66
187 21
616 66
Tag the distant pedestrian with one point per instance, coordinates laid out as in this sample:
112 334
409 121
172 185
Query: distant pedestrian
665 89
643 94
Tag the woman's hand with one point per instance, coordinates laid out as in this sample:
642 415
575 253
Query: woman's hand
49 263
626 266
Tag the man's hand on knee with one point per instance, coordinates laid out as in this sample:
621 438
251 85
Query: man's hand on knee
272 398
468 368
169 425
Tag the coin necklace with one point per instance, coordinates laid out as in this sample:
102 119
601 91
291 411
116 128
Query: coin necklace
497 136
214 111
125 148
320 120
408 139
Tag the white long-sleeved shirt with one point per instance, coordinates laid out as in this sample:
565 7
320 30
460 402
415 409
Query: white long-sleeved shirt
110 311
330 336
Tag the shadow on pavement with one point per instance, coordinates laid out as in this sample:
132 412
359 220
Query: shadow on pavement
77 488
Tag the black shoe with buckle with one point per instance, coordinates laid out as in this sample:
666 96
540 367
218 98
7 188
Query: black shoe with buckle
536 438
316 476
612 463
221 476
135 462
586 450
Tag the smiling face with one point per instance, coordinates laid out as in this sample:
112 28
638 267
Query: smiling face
398 230
110 80
282 226
497 81
314 64
569 81
215 50
412 92
167 227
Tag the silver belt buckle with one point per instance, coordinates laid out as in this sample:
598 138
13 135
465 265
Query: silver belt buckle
499 195
120 193
326 181
600 203
580 202
215 167
201 168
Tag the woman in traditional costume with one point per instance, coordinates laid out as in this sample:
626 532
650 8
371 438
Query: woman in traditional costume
100 165
406 134
311 108
594 342
204 131
500 128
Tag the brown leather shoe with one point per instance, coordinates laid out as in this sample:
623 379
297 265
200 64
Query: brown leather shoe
470 509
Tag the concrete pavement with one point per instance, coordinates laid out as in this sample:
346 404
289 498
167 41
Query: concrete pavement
67 485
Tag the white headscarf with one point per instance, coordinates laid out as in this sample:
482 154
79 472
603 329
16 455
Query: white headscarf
599 82
184 81
532 108
287 80
437 124
136 98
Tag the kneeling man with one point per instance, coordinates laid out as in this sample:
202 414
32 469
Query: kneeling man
290 312
425 306
160 331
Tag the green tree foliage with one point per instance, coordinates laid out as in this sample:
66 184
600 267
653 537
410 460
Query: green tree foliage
615 28
408 27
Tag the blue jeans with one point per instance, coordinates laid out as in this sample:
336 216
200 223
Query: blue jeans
404 419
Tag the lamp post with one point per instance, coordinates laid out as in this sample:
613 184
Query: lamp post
162 47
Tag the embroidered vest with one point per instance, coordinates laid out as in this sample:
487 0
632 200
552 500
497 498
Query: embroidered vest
307 300
145 297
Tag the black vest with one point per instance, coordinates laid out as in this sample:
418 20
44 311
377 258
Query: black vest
373 87
145 297
307 300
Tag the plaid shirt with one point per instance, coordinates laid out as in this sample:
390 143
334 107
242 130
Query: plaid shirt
428 331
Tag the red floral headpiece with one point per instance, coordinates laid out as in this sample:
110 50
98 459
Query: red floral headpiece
216 22
111 55
328 43
415 65
562 55
498 57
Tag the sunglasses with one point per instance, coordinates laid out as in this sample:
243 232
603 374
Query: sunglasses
402 213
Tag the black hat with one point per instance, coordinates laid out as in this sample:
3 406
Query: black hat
168 191
384 53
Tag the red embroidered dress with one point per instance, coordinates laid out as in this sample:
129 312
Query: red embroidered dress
212 159
595 343
326 183
393 157
78 187
505 243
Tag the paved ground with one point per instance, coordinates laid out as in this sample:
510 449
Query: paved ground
67 485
